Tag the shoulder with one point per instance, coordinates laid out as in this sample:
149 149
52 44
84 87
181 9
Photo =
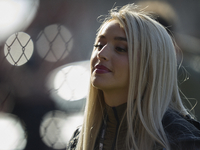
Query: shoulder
182 131
74 140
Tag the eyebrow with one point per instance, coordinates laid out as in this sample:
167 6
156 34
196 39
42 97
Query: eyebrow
118 38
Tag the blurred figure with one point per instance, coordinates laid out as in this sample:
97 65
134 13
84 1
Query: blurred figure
188 50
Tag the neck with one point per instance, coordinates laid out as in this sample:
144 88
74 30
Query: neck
115 98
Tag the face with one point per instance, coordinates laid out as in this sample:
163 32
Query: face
109 60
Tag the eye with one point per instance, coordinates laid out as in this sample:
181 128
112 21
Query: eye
119 49
98 46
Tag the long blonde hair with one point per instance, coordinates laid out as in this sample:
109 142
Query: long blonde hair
153 81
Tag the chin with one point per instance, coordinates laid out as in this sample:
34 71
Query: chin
96 82
98 85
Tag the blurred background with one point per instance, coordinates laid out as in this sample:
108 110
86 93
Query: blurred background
45 46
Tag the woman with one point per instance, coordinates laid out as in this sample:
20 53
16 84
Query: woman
134 101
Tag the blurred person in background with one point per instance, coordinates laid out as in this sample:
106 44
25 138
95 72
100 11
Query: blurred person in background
187 49
134 100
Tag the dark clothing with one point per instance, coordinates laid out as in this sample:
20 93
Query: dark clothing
74 140
114 117
183 133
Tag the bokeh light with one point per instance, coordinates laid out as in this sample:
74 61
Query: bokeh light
12 134
54 43
16 15
71 82
195 63
57 128
69 85
18 48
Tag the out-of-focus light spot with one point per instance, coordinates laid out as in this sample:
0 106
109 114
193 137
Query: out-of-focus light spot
71 124
12 135
69 85
57 128
194 63
16 15
54 43
6 15
18 48
71 82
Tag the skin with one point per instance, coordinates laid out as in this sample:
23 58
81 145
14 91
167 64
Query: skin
110 55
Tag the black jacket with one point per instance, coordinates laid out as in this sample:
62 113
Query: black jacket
183 133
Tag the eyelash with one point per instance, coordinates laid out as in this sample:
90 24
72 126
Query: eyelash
117 48
121 49
98 46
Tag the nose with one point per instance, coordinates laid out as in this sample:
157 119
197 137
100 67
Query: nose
103 54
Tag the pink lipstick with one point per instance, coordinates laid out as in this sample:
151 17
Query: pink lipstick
100 69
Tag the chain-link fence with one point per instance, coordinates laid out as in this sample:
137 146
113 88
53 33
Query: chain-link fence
43 78
54 129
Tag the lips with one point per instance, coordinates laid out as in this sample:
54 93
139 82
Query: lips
100 69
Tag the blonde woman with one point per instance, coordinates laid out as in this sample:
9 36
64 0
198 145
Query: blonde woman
134 101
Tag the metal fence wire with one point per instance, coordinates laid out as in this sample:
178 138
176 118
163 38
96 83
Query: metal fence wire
10 48
42 70
52 42
19 51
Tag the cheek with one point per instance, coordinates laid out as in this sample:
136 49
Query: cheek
122 68
124 64
93 59
94 54
125 69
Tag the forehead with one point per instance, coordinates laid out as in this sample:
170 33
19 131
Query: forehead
112 28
